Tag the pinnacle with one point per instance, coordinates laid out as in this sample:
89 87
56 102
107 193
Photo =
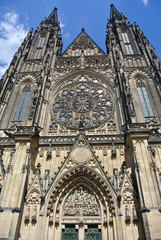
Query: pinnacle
53 17
114 13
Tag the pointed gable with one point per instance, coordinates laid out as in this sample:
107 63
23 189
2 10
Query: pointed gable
83 43
81 158
53 17
114 14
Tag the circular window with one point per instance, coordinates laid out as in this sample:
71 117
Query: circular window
82 102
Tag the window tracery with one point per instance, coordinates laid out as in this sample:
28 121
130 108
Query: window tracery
85 102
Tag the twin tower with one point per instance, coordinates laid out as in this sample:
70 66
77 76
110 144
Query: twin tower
80 139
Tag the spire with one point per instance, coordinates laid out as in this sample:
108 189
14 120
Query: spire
53 17
114 13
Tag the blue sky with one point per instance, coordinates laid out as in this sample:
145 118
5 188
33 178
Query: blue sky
18 16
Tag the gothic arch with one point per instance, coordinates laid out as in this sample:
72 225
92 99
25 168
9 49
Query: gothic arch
30 81
102 187
33 197
25 86
88 73
28 78
140 86
98 190
97 210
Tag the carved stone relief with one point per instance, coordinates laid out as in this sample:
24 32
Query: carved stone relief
34 197
81 202
81 155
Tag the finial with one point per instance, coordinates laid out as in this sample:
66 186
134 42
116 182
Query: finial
81 126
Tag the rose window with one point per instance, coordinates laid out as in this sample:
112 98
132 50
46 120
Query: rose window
82 102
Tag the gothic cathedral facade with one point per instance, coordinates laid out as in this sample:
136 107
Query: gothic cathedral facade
80 139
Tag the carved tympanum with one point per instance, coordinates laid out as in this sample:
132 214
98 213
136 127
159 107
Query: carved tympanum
81 202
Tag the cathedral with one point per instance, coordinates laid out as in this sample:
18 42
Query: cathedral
80 137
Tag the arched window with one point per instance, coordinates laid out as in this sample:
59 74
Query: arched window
22 103
127 43
39 48
144 99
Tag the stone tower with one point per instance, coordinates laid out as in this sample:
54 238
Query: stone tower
80 140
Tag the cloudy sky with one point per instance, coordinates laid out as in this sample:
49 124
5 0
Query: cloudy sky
18 16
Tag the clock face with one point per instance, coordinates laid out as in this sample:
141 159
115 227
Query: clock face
82 102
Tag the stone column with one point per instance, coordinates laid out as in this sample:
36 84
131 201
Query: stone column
13 194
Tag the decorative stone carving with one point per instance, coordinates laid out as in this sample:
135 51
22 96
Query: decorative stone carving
113 151
134 214
34 216
49 152
0 183
26 161
111 125
53 125
2 168
34 197
41 153
86 102
81 201
27 216
104 152
81 155
127 214
11 162
57 152
128 196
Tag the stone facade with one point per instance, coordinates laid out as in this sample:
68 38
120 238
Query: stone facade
80 140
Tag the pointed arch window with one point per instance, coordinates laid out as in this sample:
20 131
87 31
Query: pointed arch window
22 103
39 48
144 99
127 43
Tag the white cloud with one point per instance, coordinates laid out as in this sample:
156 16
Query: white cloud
62 25
12 33
67 35
62 21
145 2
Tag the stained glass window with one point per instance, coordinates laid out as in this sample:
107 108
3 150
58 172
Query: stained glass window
127 43
39 48
22 103
144 99
82 102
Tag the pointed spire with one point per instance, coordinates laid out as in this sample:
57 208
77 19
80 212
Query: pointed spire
114 13
53 17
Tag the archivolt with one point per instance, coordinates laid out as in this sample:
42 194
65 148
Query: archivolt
86 177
